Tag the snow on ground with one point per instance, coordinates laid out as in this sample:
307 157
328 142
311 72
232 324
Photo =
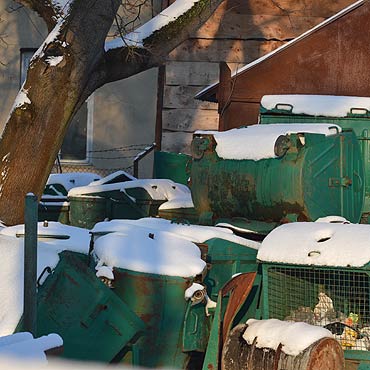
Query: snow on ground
137 37
22 346
178 195
194 233
318 243
12 264
73 179
156 253
240 143
294 337
318 105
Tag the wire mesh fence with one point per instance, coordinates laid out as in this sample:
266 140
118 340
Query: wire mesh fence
338 300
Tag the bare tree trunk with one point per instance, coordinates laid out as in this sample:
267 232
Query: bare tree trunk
68 67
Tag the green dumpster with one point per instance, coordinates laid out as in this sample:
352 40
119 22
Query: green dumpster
355 116
315 176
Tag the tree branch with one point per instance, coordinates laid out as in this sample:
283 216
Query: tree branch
44 8
127 60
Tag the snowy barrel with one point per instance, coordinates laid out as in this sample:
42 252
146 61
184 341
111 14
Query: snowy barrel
151 271
319 352
318 172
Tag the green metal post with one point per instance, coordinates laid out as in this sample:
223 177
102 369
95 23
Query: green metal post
30 264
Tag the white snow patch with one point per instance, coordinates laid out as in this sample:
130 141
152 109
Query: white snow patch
12 262
71 180
104 271
333 219
157 253
240 143
54 61
194 233
111 177
21 99
294 337
195 287
62 6
318 105
287 45
24 346
318 243
137 37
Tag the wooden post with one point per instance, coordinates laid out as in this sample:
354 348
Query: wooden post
160 92
224 96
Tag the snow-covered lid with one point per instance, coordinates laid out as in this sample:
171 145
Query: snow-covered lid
194 233
144 251
178 195
240 143
112 178
71 180
295 337
318 243
317 105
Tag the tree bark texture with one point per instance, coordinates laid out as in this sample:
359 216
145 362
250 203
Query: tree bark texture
36 127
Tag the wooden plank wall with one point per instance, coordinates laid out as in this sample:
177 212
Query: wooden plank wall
238 32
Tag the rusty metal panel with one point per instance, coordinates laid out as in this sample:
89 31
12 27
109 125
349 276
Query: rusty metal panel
332 60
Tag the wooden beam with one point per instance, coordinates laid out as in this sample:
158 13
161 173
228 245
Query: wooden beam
224 95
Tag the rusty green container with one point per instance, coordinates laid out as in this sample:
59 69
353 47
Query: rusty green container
158 300
322 177
357 119
173 166
56 210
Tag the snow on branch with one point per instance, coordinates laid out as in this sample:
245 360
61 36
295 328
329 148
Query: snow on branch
137 38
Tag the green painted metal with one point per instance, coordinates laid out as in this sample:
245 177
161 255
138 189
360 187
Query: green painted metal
322 177
94 323
184 215
54 211
172 166
30 264
86 211
359 123
158 300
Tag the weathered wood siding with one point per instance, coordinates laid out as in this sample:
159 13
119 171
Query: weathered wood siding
238 32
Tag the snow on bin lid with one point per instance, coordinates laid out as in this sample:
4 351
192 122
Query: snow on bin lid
142 250
295 337
318 243
72 179
318 105
258 141
193 233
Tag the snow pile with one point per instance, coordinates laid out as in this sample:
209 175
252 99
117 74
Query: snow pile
318 243
240 143
12 263
193 233
294 337
155 253
318 105
137 37
73 179
24 346
176 195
